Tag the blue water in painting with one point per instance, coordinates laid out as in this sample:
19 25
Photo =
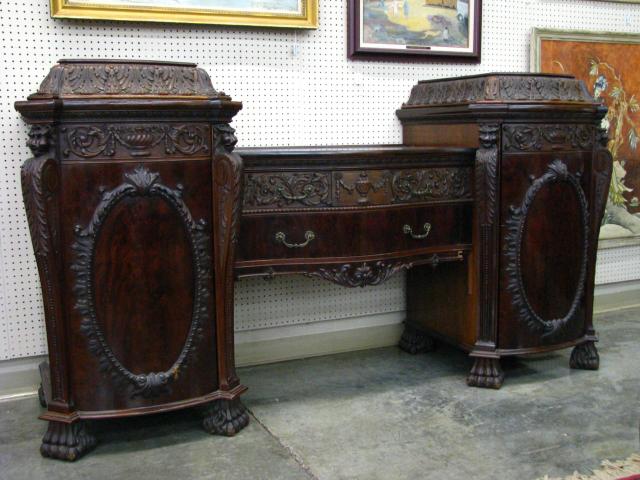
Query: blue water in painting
287 6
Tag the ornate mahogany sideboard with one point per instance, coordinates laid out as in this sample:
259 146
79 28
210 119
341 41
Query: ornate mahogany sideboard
142 217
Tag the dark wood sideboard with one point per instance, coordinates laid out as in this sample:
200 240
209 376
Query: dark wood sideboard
142 217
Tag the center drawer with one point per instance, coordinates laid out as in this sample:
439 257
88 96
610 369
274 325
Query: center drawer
352 233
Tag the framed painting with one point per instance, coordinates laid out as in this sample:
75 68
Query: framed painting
259 13
608 64
414 30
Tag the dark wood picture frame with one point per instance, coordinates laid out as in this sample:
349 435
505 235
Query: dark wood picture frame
357 52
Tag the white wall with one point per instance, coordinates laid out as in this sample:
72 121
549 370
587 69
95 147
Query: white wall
315 96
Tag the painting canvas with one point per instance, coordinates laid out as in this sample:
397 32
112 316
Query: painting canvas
281 13
427 28
608 64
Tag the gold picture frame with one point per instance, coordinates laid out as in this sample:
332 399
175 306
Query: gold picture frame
305 15
600 59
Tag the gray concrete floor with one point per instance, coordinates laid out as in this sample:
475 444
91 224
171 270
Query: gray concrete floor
377 414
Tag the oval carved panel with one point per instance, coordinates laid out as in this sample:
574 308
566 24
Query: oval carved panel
526 247
131 200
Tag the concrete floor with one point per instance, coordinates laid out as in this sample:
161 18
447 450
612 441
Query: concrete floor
377 414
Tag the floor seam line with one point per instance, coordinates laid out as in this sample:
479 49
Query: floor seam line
295 455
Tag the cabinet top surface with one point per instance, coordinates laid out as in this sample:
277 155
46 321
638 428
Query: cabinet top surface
101 78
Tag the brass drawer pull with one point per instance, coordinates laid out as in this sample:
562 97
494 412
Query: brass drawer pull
308 235
426 227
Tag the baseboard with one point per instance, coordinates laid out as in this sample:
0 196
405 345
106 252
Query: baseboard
20 377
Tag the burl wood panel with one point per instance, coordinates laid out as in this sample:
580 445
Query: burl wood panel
553 249
144 268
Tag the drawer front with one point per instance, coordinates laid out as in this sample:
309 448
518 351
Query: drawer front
354 188
352 233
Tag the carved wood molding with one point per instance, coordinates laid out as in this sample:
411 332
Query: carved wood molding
137 140
557 171
361 274
40 190
310 189
140 183
118 78
498 88
531 137
431 184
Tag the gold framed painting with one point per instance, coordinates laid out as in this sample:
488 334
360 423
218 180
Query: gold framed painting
258 13
608 64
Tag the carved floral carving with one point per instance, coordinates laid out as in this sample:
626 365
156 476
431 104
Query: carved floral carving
138 140
498 88
103 78
361 274
284 189
362 186
547 137
557 171
140 183
431 184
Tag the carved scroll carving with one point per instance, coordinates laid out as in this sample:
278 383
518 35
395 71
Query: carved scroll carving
227 204
431 184
361 274
498 88
137 140
532 137
140 183
103 78
310 189
557 171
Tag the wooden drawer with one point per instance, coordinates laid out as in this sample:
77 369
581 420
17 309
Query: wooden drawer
352 233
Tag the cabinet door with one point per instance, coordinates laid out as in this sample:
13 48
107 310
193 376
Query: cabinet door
544 236
139 304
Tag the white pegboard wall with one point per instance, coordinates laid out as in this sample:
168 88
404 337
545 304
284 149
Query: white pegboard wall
310 94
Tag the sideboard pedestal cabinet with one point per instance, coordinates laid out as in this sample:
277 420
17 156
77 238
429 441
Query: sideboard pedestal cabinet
541 179
131 194
142 216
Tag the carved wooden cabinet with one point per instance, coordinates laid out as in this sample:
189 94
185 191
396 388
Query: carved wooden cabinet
541 178
132 201
142 216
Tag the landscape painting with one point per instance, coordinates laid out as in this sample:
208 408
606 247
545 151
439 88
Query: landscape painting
260 13
279 6
415 27
608 64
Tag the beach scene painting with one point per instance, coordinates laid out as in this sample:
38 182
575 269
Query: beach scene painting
429 25
293 7
258 13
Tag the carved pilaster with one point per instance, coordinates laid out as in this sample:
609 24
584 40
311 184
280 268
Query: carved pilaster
227 204
40 185
486 225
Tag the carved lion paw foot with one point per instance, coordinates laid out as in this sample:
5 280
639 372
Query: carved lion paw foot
585 357
486 373
67 441
414 341
225 417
